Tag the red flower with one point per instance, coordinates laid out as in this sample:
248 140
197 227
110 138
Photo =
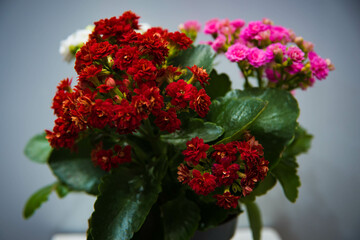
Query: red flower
143 71
226 200
168 121
184 174
100 50
200 74
125 57
196 150
122 155
226 174
88 73
102 158
63 135
58 101
201 103
65 85
154 46
179 39
202 184
250 151
225 154
152 94
126 118
142 105
181 93
101 113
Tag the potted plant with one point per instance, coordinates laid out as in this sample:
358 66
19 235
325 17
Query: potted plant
160 138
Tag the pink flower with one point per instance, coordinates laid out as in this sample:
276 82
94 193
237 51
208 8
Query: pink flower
237 23
272 75
294 68
237 52
295 54
257 57
319 66
211 26
219 42
279 34
225 28
252 30
191 25
274 49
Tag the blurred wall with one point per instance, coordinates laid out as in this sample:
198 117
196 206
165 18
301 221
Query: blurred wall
328 204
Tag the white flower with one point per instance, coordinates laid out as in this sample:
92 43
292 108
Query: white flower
143 28
74 41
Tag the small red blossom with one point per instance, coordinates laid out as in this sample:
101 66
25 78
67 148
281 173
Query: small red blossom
143 71
88 73
225 153
181 92
226 200
196 150
201 103
142 105
126 118
184 175
168 121
180 40
103 88
63 135
154 46
65 85
200 74
225 175
122 155
102 158
101 113
202 184
125 57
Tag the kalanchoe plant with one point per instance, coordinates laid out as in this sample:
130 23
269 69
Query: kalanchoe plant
153 131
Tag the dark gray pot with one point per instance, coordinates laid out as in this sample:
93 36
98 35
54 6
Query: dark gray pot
224 231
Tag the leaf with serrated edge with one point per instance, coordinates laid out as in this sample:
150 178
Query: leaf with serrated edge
38 149
37 199
184 225
126 197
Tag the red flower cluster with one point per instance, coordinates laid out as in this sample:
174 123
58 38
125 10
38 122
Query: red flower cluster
121 73
111 158
235 165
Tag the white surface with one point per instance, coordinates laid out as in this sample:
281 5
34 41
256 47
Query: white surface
241 234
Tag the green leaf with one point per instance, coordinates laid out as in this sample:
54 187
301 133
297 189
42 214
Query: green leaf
37 199
286 172
201 55
300 144
196 127
62 190
254 216
180 218
126 197
219 85
38 148
211 215
235 114
75 169
276 125
264 186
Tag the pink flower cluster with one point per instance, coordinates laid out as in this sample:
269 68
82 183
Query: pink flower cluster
263 48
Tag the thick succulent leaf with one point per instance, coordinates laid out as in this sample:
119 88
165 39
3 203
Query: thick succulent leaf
275 127
254 216
195 128
219 85
180 218
62 190
235 114
38 148
300 144
264 186
125 199
75 168
201 55
37 199
286 173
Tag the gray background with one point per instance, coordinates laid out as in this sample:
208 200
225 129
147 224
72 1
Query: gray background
328 205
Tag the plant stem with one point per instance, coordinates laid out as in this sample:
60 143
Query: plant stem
259 77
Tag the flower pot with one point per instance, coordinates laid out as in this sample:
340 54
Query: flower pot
224 231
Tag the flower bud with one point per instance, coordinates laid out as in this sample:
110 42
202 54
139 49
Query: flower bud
110 82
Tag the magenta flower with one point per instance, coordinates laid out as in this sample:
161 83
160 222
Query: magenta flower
280 34
237 52
219 42
272 75
252 30
211 26
191 25
237 23
294 68
318 65
257 57
295 54
273 49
